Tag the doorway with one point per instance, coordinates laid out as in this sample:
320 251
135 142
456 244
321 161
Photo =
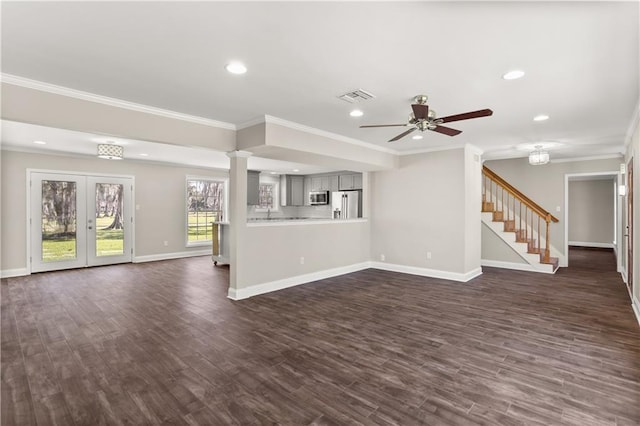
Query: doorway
79 220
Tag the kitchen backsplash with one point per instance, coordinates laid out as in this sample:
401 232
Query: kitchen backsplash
314 212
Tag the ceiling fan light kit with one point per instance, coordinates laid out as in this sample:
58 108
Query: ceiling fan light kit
423 118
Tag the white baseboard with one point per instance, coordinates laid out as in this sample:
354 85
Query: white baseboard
425 272
254 290
588 244
10 273
508 265
623 273
168 256
635 304
244 293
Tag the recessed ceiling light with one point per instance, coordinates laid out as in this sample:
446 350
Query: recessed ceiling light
274 173
356 113
541 117
143 154
513 75
416 137
296 170
236 68
40 142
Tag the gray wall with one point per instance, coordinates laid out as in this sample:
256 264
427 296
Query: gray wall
545 184
420 207
493 248
591 211
159 191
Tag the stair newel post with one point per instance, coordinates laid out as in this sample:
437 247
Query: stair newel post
546 243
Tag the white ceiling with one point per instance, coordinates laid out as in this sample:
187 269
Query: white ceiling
581 61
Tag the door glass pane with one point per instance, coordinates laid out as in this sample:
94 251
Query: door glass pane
58 220
109 221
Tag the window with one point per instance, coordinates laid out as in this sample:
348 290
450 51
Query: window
266 196
205 204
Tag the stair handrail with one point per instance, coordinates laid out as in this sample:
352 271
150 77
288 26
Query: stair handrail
548 217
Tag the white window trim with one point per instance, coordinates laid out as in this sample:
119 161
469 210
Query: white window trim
225 211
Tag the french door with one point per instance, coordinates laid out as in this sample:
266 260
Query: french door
79 221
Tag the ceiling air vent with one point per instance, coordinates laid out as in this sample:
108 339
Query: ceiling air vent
356 96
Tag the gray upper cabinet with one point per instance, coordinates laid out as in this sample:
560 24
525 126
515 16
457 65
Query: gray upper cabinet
253 188
350 182
320 183
333 183
292 190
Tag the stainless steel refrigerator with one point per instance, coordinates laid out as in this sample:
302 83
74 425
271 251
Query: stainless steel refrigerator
346 204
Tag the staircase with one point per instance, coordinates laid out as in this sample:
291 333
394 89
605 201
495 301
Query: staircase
518 221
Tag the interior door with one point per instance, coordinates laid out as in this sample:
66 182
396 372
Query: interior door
79 221
630 262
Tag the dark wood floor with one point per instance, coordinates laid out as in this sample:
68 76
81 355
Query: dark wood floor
160 343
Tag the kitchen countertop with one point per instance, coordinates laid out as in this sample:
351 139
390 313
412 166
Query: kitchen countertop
256 222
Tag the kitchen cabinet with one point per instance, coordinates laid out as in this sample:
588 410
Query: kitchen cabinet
307 190
333 183
320 183
292 190
253 188
350 182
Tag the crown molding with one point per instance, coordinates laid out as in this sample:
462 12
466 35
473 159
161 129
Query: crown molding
312 130
595 157
633 125
427 150
119 103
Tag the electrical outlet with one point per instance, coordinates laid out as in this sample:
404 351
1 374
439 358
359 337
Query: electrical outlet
428 255
382 257
166 243
302 260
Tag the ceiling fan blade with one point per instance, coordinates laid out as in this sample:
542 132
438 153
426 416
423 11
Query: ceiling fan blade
402 135
420 111
466 115
383 125
447 130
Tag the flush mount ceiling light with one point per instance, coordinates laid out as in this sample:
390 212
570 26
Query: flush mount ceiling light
416 137
40 142
541 117
539 156
110 151
296 170
513 75
356 113
236 68
143 154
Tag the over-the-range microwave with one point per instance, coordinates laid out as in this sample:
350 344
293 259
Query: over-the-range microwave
318 197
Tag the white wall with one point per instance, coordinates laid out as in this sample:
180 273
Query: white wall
591 212
421 207
159 191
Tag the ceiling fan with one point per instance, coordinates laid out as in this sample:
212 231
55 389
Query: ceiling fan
423 118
